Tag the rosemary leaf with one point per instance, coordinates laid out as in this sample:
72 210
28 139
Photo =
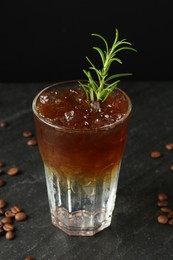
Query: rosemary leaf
99 90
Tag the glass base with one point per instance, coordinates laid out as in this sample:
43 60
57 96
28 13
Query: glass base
81 222
82 206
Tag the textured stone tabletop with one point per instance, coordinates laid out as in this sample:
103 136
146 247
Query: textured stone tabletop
134 233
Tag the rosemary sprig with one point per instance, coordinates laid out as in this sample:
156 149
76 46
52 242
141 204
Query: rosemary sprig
100 89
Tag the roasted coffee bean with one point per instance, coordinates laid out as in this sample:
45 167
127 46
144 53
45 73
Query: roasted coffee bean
155 154
3 203
166 210
162 196
3 124
2 164
9 235
171 167
6 220
162 219
32 142
8 227
13 171
2 211
16 209
9 213
2 182
20 216
27 133
170 221
170 214
29 258
169 146
163 203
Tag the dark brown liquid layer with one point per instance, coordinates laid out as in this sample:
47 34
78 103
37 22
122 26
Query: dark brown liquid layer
70 108
96 140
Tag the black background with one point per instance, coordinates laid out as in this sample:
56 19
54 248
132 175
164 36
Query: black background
48 40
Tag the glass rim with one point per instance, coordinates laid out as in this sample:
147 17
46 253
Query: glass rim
70 129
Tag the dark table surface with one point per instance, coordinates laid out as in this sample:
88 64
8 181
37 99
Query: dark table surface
134 233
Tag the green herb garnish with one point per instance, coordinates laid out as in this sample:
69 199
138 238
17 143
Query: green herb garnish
99 90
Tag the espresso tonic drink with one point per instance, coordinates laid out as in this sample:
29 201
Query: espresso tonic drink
81 145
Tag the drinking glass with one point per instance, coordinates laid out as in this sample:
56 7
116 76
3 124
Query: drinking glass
81 168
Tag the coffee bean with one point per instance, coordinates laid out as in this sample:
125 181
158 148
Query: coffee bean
155 154
9 213
27 133
8 227
32 142
2 182
3 203
29 258
162 219
2 211
171 167
163 203
2 164
16 209
20 216
3 124
169 146
170 214
13 171
6 220
170 221
9 235
162 196
166 210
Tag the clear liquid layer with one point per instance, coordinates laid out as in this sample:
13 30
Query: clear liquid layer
81 206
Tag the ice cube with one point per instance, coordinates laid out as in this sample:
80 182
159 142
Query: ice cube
69 115
44 99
